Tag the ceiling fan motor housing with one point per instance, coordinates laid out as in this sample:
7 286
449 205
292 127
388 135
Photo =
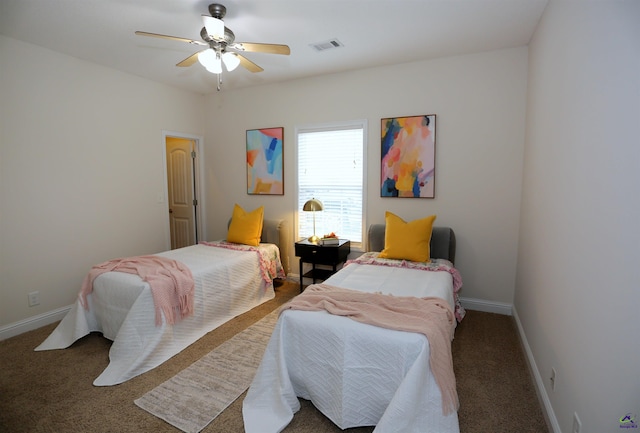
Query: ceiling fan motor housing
229 36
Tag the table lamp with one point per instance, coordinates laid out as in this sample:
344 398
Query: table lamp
313 205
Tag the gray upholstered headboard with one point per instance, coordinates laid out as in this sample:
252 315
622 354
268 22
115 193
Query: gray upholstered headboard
443 241
276 231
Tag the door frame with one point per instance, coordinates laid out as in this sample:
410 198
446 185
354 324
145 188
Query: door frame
198 173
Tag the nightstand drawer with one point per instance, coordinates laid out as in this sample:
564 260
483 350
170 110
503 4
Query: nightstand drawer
323 254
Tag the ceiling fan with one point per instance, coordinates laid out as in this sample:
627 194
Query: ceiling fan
222 48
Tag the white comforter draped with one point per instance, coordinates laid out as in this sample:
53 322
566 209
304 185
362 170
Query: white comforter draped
355 374
227 283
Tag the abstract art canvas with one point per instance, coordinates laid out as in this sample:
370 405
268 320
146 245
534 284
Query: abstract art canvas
408 156
265 173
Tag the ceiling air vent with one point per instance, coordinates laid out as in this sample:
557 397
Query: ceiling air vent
327 45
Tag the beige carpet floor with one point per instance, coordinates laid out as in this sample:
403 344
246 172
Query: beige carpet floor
52 391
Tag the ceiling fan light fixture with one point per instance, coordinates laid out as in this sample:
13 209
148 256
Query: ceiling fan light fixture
210 60
215 27
207 57
231 61
215 67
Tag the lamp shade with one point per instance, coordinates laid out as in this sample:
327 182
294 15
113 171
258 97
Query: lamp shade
231 61
312 205
215 67
207 57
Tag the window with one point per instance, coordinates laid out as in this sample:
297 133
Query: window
331 169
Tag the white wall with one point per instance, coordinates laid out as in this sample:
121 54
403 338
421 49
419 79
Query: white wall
82 166
578 279
480 105
80 171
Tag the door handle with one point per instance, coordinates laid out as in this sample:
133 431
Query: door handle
170 210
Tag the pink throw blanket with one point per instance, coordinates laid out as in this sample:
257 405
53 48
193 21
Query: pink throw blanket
435 265
429 316
171 283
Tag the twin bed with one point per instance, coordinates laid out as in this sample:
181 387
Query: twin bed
357 374
230 279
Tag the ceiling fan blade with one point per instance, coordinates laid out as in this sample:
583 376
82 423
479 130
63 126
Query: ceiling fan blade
175 38
262 48
189 60
249 65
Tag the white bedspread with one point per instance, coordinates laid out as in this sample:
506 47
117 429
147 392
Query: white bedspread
227 283
355 374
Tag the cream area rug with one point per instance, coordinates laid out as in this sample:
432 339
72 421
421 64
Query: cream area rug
194 397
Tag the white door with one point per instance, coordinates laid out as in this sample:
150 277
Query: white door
181 191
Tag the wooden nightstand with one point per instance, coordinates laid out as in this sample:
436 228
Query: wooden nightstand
331 255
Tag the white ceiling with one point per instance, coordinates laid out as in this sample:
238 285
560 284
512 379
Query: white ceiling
373 32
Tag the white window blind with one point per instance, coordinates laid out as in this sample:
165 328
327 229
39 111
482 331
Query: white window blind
330 169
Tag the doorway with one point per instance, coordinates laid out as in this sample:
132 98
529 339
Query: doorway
181 156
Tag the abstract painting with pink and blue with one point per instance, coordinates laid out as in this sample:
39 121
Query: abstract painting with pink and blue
265 161
408 156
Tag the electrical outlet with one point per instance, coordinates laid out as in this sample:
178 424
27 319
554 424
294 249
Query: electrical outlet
577 425
553 379
34 299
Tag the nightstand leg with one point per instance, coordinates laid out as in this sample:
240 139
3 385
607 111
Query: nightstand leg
313 271
301 277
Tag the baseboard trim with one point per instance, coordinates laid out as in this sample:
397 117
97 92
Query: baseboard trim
35 322
487 306
547 409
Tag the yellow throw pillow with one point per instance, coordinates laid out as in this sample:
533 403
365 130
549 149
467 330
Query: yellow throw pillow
407 240
246 228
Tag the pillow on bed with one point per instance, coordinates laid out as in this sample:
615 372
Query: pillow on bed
246 227
407 240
